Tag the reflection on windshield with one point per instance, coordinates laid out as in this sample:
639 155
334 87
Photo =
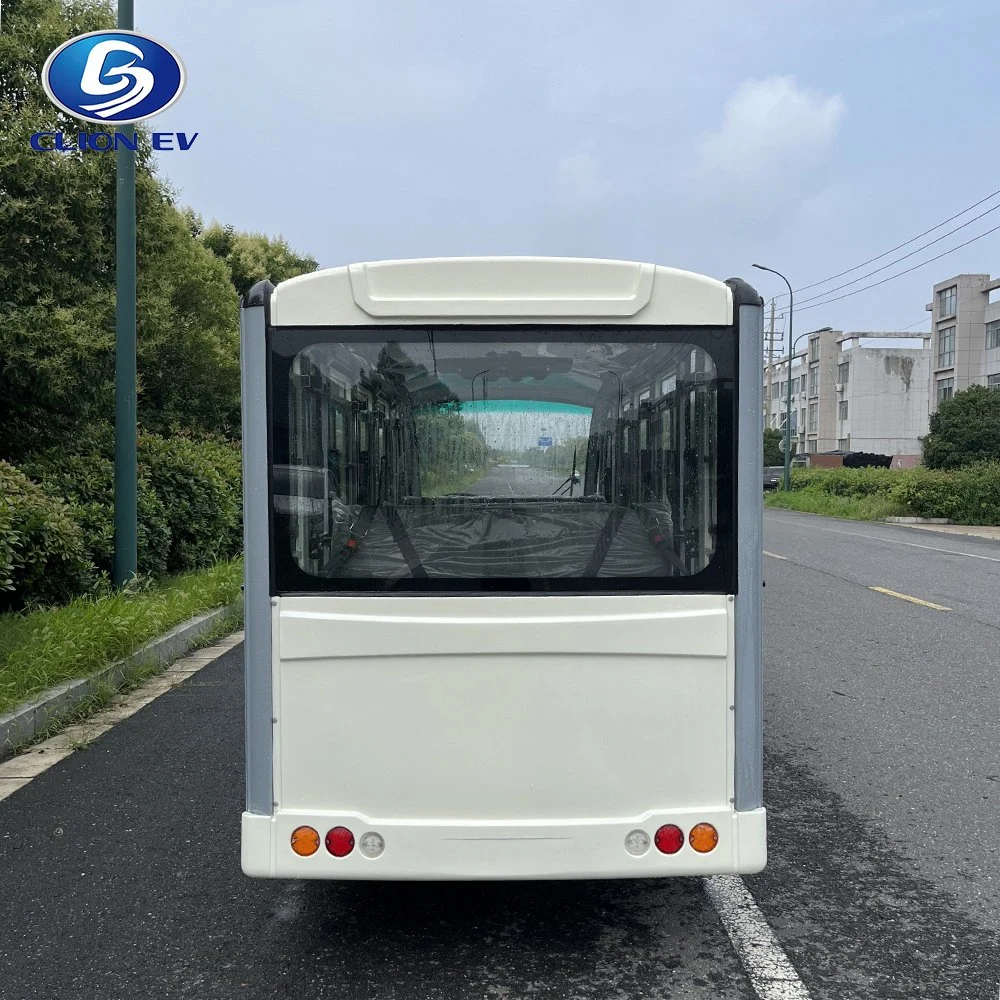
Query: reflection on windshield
438 458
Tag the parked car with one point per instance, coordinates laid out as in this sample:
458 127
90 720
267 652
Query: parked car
772 477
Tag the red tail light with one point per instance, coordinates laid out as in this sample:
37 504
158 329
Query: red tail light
340 841
669 839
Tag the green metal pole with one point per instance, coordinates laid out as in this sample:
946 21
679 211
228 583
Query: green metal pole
126 464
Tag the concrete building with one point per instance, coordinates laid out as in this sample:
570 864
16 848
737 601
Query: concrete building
847 396
965 327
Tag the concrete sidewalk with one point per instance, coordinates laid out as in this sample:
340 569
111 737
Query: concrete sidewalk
980 531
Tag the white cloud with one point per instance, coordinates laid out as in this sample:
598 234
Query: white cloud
773 137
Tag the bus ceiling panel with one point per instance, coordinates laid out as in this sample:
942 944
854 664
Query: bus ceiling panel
501 289
466 368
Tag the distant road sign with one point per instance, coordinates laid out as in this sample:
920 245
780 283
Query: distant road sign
545 442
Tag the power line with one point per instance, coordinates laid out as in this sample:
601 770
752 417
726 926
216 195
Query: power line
871 260
892 277
899 260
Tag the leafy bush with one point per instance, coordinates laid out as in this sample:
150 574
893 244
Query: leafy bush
43 558
969 495
964 430
867 508
855 483
198 483
927 493
965 496
86 483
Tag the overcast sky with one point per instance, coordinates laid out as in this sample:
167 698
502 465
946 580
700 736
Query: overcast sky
805 134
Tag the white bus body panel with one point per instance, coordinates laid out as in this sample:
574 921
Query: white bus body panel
503 736
499 290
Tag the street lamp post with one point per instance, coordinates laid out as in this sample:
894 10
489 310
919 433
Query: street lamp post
125 561
788 396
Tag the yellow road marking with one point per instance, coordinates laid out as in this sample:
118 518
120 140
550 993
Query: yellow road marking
912 600
774 555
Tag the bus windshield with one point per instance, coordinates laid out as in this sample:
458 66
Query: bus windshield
402 457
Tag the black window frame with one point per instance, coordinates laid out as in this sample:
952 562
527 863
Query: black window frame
288 579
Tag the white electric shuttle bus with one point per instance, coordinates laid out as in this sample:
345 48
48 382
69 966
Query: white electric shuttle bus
503 572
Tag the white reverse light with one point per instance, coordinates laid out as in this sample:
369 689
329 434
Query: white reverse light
372 844
637 842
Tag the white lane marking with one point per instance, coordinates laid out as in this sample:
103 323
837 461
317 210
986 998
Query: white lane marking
771 974
23 768
913 545
774 555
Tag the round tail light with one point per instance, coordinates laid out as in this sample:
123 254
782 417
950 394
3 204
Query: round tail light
340 841
305 841
669 839
703 838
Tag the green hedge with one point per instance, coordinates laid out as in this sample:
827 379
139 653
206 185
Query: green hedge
43 557
57 516
200 487
86 483
970 495
966 496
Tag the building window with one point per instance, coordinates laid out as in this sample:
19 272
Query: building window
813 411
794 428
993 381
993 334
945 389
814 349
843 444
812 446
802 420
946 347
843 372
947 301
842 410
814 382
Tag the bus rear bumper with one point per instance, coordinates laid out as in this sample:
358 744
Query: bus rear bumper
433 850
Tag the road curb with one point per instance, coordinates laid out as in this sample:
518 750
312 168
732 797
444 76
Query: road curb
36 717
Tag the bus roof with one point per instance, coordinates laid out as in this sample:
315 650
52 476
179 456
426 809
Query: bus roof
502 290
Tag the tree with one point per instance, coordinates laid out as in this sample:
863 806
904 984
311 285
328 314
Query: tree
56 240
773 455
964 429
252 256
57 271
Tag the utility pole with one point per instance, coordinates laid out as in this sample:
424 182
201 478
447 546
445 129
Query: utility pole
125 561
769 370
788 401
770 354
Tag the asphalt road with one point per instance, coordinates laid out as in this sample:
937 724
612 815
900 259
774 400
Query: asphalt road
882 769
519 481
119 867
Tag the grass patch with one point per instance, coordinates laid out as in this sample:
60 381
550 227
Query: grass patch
437 485
863 508
39 649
